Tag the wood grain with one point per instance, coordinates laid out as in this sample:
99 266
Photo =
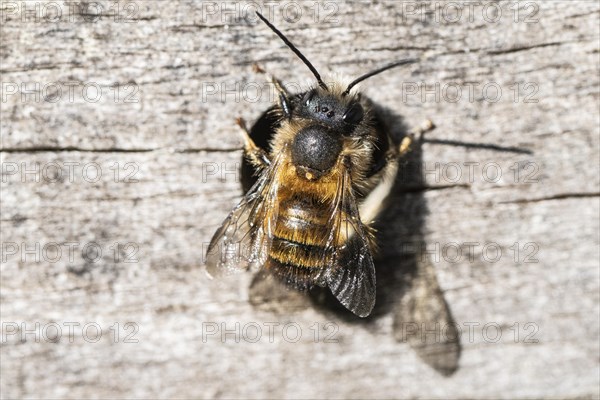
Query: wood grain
173 77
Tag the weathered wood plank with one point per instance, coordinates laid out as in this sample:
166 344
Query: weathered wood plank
176 150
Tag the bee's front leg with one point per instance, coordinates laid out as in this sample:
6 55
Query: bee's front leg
284 103
255 155
282 92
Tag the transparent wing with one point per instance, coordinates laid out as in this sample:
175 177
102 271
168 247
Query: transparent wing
351 272
242 242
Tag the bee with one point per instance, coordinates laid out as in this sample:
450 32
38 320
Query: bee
324 165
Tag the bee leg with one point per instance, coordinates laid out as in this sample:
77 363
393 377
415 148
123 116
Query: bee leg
283 97
282 92
405 145
257 68
372 205
257 156
417 132
425 126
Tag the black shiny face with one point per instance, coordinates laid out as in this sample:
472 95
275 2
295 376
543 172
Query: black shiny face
331 111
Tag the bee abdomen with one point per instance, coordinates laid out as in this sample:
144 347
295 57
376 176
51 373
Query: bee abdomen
298 251
303 222
299 254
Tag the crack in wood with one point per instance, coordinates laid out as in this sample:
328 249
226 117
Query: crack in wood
51 149
426 188
562 196
524 48
484 146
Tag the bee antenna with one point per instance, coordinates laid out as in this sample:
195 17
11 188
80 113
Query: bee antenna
378 71
295 50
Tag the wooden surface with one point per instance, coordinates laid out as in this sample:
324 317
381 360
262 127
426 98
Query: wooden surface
177 143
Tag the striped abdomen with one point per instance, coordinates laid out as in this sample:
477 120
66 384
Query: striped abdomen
297 252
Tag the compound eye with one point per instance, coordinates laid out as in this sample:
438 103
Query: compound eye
354 114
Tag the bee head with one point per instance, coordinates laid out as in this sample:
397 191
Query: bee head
330 114
328 118
330 109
